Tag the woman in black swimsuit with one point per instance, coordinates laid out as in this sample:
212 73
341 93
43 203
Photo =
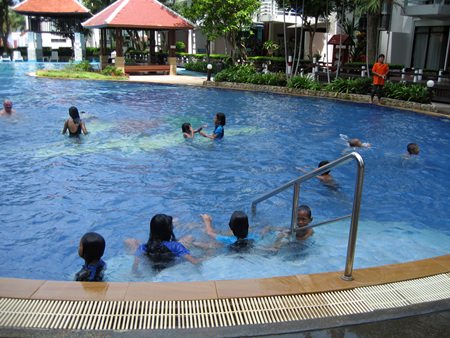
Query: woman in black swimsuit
74 124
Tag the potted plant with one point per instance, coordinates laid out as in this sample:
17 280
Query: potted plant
270 46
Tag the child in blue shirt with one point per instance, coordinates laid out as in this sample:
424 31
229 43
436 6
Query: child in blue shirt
219 123
241 240
162 247
91 249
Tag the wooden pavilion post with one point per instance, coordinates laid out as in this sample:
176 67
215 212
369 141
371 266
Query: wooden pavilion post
120 59
172 60
103 49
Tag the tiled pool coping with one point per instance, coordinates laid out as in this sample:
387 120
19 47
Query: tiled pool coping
221 289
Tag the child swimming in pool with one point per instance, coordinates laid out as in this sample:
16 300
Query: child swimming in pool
91 249
413 149
354 142
219 123
162 247
188 131
74 124
304 218
241 240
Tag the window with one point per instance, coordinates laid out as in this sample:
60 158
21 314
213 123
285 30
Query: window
430 47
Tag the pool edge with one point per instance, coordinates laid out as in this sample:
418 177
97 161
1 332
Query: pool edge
221 289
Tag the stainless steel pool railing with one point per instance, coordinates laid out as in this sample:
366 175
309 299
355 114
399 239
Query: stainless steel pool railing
355 210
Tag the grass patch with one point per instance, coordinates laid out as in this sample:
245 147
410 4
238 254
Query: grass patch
66 74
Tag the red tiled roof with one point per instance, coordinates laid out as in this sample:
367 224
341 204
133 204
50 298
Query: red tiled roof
58 7
336 40
139 14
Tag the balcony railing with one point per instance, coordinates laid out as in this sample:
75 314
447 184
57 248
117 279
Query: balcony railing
428 8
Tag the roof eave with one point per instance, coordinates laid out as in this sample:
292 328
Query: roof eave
106 25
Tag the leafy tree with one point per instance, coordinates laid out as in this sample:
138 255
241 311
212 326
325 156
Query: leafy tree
223 19
313 10
5 26
96 6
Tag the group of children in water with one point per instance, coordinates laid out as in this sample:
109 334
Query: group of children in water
162 248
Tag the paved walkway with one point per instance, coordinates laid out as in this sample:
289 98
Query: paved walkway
169 79
443 108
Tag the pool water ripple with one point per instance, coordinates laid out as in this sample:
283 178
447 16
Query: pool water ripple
135 163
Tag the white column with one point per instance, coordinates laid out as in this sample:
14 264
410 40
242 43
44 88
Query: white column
80 47
190 41
34 46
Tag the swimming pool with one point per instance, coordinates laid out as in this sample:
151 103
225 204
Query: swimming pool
135 163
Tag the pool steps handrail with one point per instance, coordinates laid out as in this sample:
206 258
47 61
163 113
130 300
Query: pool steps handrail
355 210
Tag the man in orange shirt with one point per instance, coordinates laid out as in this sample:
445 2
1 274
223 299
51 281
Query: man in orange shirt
379 71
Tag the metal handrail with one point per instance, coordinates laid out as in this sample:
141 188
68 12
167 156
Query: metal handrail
356 203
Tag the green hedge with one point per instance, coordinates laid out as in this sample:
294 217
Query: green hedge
406 92
399 91
304 82
248 74
360 85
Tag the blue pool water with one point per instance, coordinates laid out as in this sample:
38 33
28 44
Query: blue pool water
135 163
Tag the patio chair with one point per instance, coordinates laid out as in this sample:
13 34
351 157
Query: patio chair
5 58
54 56
17 56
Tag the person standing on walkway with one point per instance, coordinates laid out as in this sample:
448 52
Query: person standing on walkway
379 71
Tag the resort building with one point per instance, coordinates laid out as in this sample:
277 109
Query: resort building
418 34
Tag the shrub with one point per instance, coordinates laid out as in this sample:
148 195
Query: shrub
248 74
360 85
401 91
180 45
199 66
92 51
304 82
112 71
239 74
83 66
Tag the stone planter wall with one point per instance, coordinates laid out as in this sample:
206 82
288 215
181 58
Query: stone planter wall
419 107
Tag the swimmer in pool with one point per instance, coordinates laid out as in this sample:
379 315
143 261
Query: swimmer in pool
188 131
91 249
7 108
304 218
74 124
413 149
356 142
162 247
241 240
325 178
219 123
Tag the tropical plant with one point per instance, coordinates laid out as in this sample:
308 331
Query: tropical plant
270 46
360 85
112 71
83 66
401 91
303 82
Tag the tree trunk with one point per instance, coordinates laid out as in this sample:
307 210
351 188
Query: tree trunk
372 33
